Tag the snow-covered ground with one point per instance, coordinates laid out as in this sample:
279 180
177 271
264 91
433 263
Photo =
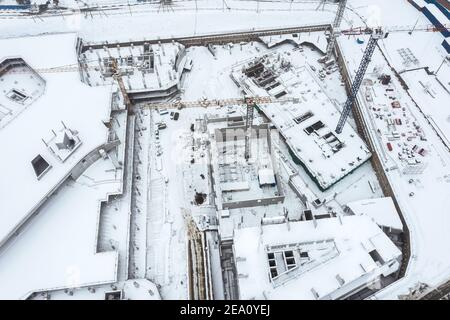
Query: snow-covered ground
151 23
426 217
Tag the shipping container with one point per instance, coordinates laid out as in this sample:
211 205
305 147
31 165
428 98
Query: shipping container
389 146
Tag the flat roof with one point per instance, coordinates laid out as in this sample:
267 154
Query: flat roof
437 13
381 210
313 110
58 249
266 176
354 238
66 98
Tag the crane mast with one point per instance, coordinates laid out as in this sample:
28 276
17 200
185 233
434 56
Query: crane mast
250 103
336 25
248 125
118 77
356 84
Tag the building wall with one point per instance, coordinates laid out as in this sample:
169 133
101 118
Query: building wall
365 281
300 195
253 203
90 158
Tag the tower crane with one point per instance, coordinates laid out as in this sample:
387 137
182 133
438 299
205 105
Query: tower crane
367 56
336 24
251 102
118 77
321 4
375 35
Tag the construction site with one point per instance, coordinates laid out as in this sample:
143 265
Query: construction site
256 159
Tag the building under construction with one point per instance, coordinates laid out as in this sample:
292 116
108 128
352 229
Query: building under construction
148 71
307 121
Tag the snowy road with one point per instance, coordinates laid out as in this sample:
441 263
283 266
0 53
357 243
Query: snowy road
129 23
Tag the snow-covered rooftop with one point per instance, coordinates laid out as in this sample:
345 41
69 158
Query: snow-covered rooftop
58 249
144 68
266 176
133 289
381 210
66 99
308 121
351 243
